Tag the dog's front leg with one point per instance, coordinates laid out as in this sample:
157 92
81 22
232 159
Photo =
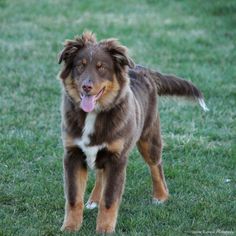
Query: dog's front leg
75 178
113 184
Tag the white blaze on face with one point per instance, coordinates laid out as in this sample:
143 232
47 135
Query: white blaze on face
91 51
84 141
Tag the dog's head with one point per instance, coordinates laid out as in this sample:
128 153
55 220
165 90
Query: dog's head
94 73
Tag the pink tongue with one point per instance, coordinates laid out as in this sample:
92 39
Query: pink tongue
88 103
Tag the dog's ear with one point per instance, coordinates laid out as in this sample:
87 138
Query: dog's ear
71 48
118 52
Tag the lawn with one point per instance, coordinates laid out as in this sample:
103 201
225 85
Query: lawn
193 39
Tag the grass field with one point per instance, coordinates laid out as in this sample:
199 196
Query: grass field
193 39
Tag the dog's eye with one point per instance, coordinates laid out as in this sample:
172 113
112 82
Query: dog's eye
84 61
80 67
100 67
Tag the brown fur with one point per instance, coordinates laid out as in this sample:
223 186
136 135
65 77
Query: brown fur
75 180
97 190
107 217
125 114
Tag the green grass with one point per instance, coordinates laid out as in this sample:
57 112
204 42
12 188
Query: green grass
193 39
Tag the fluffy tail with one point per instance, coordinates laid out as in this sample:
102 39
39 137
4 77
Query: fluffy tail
174 86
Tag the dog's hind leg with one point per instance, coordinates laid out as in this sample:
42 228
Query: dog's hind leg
150 146
97 190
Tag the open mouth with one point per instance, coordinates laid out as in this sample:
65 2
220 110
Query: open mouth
88 102
100 93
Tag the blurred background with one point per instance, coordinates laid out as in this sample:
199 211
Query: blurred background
193 39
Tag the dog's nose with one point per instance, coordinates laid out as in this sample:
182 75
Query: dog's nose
87 88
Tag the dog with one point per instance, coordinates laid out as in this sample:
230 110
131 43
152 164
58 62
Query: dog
109 105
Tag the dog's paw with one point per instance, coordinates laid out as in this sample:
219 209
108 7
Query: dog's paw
157 201
105 229
91 205
70 227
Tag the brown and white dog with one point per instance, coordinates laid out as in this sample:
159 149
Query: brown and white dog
109 105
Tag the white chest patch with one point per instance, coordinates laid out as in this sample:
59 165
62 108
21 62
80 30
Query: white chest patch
84 141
